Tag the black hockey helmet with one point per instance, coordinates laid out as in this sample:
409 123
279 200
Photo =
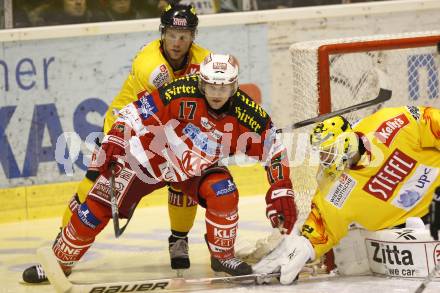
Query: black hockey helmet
179 16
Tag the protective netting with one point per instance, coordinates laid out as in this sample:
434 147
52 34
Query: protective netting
411 73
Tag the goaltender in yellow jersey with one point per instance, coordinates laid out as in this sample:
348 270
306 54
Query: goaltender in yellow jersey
393 178
377 174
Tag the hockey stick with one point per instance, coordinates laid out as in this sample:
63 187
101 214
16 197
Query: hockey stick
383 96
114 205
62 284
428 279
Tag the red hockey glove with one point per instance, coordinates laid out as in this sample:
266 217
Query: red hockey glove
281 209
112 149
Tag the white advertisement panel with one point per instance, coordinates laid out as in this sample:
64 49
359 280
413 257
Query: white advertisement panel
403 259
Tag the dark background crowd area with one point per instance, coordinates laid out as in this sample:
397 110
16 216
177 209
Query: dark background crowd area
29 13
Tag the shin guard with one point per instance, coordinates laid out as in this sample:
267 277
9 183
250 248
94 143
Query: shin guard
220 194
79 234
68 249
220 235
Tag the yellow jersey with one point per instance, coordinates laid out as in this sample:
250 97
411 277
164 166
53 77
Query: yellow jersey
394 179
150 70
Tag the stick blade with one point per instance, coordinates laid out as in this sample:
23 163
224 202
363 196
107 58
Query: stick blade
53 270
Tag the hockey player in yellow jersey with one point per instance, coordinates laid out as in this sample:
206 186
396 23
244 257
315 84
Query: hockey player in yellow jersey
171 56
377 174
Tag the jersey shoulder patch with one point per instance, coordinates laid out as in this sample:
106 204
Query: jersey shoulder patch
249 113
159 76
186 86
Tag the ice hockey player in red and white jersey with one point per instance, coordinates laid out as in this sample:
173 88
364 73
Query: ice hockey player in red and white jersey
377 174
176 135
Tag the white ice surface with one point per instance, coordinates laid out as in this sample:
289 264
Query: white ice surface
141 253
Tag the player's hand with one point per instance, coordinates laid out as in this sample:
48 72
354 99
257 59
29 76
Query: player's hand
289 257
111 153
281 209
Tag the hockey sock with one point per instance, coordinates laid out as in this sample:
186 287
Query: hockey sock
68 249
220 235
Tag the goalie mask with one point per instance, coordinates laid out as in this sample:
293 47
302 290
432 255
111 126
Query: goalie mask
336 143
218 79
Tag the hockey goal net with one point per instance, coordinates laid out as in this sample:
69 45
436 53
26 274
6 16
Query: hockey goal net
334 74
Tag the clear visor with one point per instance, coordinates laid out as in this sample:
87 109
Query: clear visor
218 90
174 35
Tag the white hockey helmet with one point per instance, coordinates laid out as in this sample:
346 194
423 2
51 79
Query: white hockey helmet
218 76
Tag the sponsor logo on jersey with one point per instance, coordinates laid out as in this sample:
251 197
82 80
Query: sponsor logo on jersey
208 125
179 21
87 217
160 76
414 111
340 190
179 91
252 105
249 113
407 199
383 184
388 129
186 86
415 187
201 140
146 106
224 187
